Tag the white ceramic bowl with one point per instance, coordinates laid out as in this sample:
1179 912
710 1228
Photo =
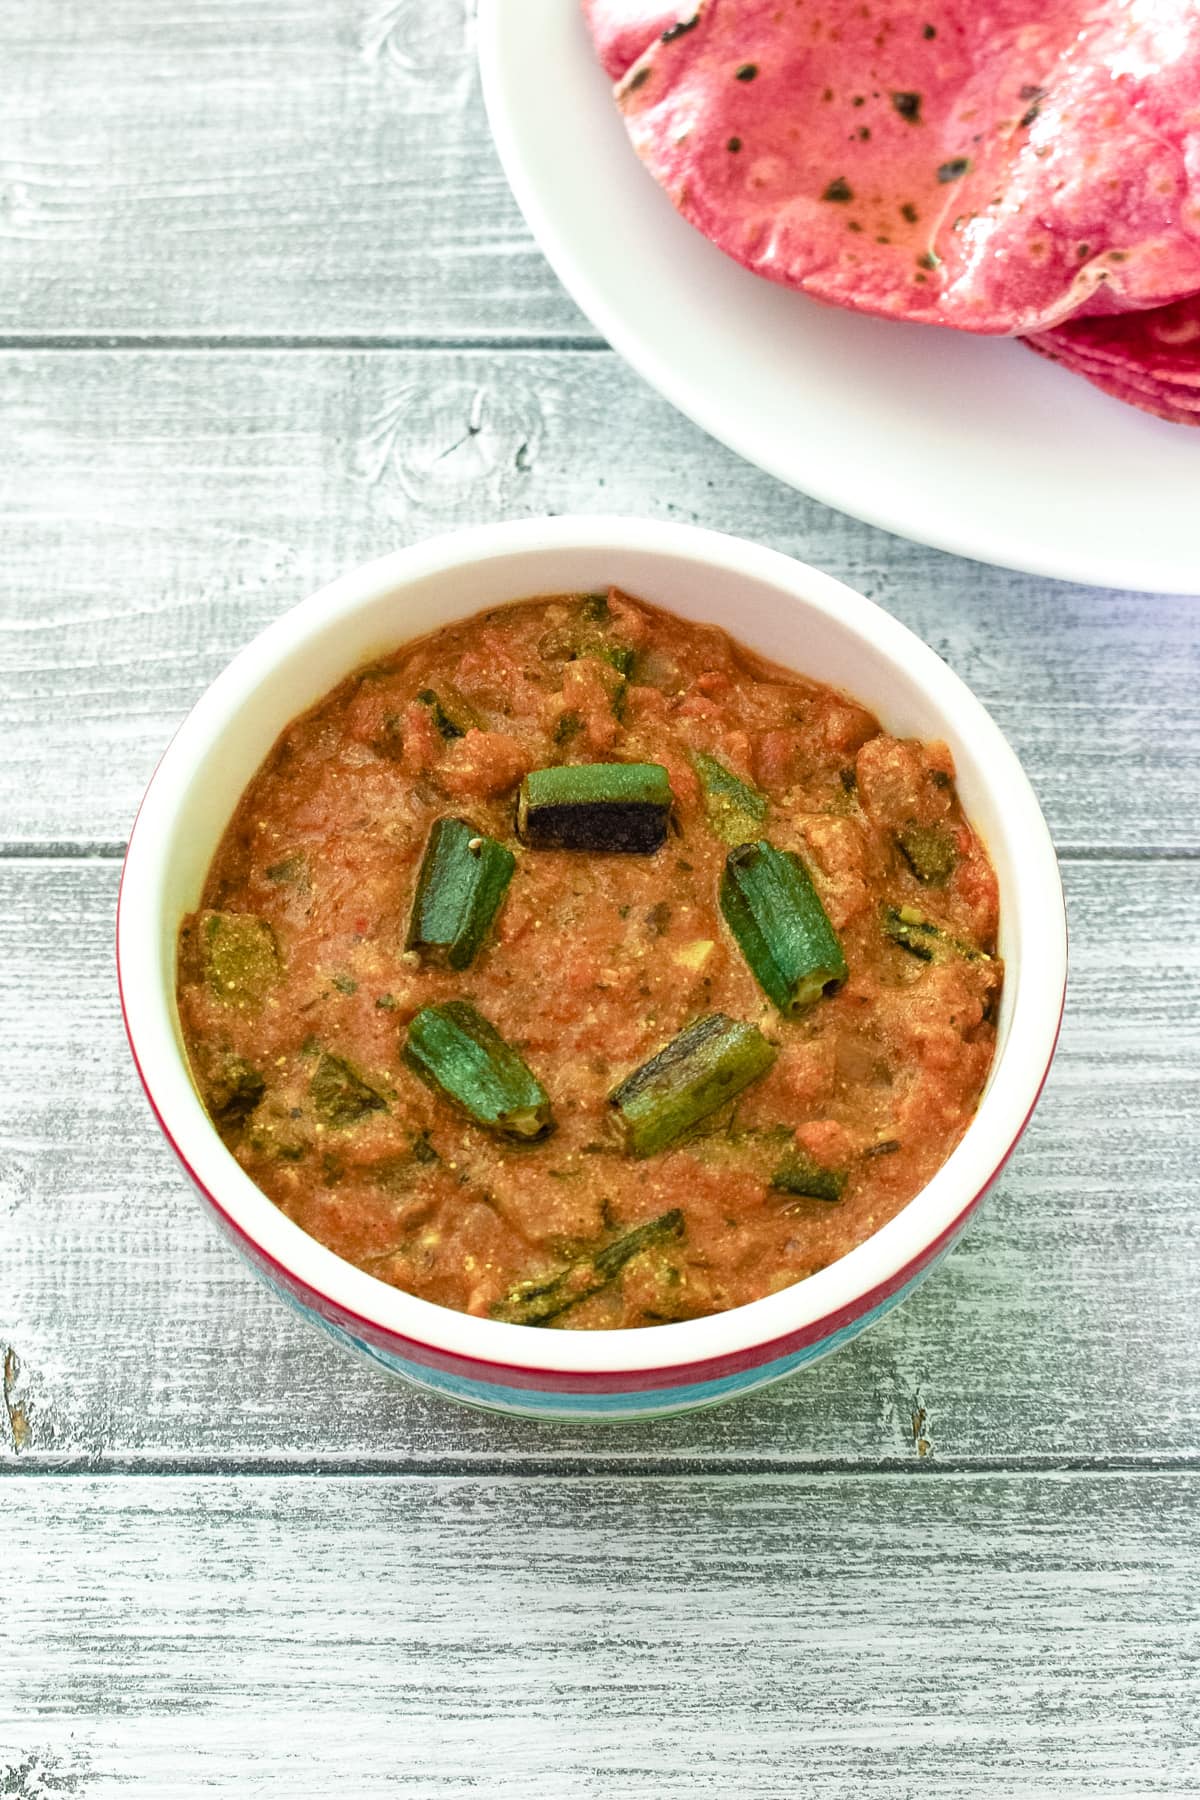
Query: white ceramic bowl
786 611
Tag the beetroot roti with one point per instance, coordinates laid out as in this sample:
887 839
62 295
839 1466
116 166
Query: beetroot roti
623 28
1150 360
998 170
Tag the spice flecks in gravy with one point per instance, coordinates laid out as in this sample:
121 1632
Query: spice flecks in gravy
340 1035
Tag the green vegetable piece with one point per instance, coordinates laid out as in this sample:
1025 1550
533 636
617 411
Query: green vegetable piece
698 1071
782 930
930 852
735 810
234 1091
925 940
451 714
400 1172
455 1051
340 1096
588 633
613 807
241 957
290 871
800 1173
539 1301
621 658
461 883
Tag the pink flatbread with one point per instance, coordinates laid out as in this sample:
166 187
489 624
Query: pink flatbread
1163 345
1175 402
623 28
997 168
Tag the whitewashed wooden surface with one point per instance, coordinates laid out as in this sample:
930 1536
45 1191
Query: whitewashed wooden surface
258 270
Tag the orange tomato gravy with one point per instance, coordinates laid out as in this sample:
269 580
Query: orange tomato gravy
593 963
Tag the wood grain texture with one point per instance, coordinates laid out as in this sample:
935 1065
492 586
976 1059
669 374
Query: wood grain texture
838 1592
160 508
299 167
943 1639
1061 1330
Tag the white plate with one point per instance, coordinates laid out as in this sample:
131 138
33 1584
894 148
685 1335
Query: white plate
973 445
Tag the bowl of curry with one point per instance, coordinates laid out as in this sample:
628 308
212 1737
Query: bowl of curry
591 967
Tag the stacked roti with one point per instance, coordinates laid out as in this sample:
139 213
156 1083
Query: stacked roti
1006 168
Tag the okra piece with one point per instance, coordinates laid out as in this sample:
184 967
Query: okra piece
930 852
539 1301
698 1071
588 633
618 807
291 871
782 930
241 957
339 1094
735 810
451 714
801 1174
458 1053
462 880
234 1090
925 940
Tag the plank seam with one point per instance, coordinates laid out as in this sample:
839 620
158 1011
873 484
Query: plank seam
581 1468
542 343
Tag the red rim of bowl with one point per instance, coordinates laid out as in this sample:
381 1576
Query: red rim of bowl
455 551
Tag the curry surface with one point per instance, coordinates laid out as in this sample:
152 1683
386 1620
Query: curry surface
594 963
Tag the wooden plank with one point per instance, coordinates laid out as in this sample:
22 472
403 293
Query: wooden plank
282 167
943 1639
1056 1332
159 509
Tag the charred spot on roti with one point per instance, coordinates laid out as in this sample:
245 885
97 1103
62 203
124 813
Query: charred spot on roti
908 105
839 191
954 169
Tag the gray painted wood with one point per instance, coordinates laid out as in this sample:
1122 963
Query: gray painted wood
1057 1333
940 1639
265 167
866 1581
160 508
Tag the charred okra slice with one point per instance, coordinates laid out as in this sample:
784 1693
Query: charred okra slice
455 1051
539 1301
801 1174
596 806
698 1071
734 809
451 715
925 940
234 1089
782 930
339 1094
461 883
